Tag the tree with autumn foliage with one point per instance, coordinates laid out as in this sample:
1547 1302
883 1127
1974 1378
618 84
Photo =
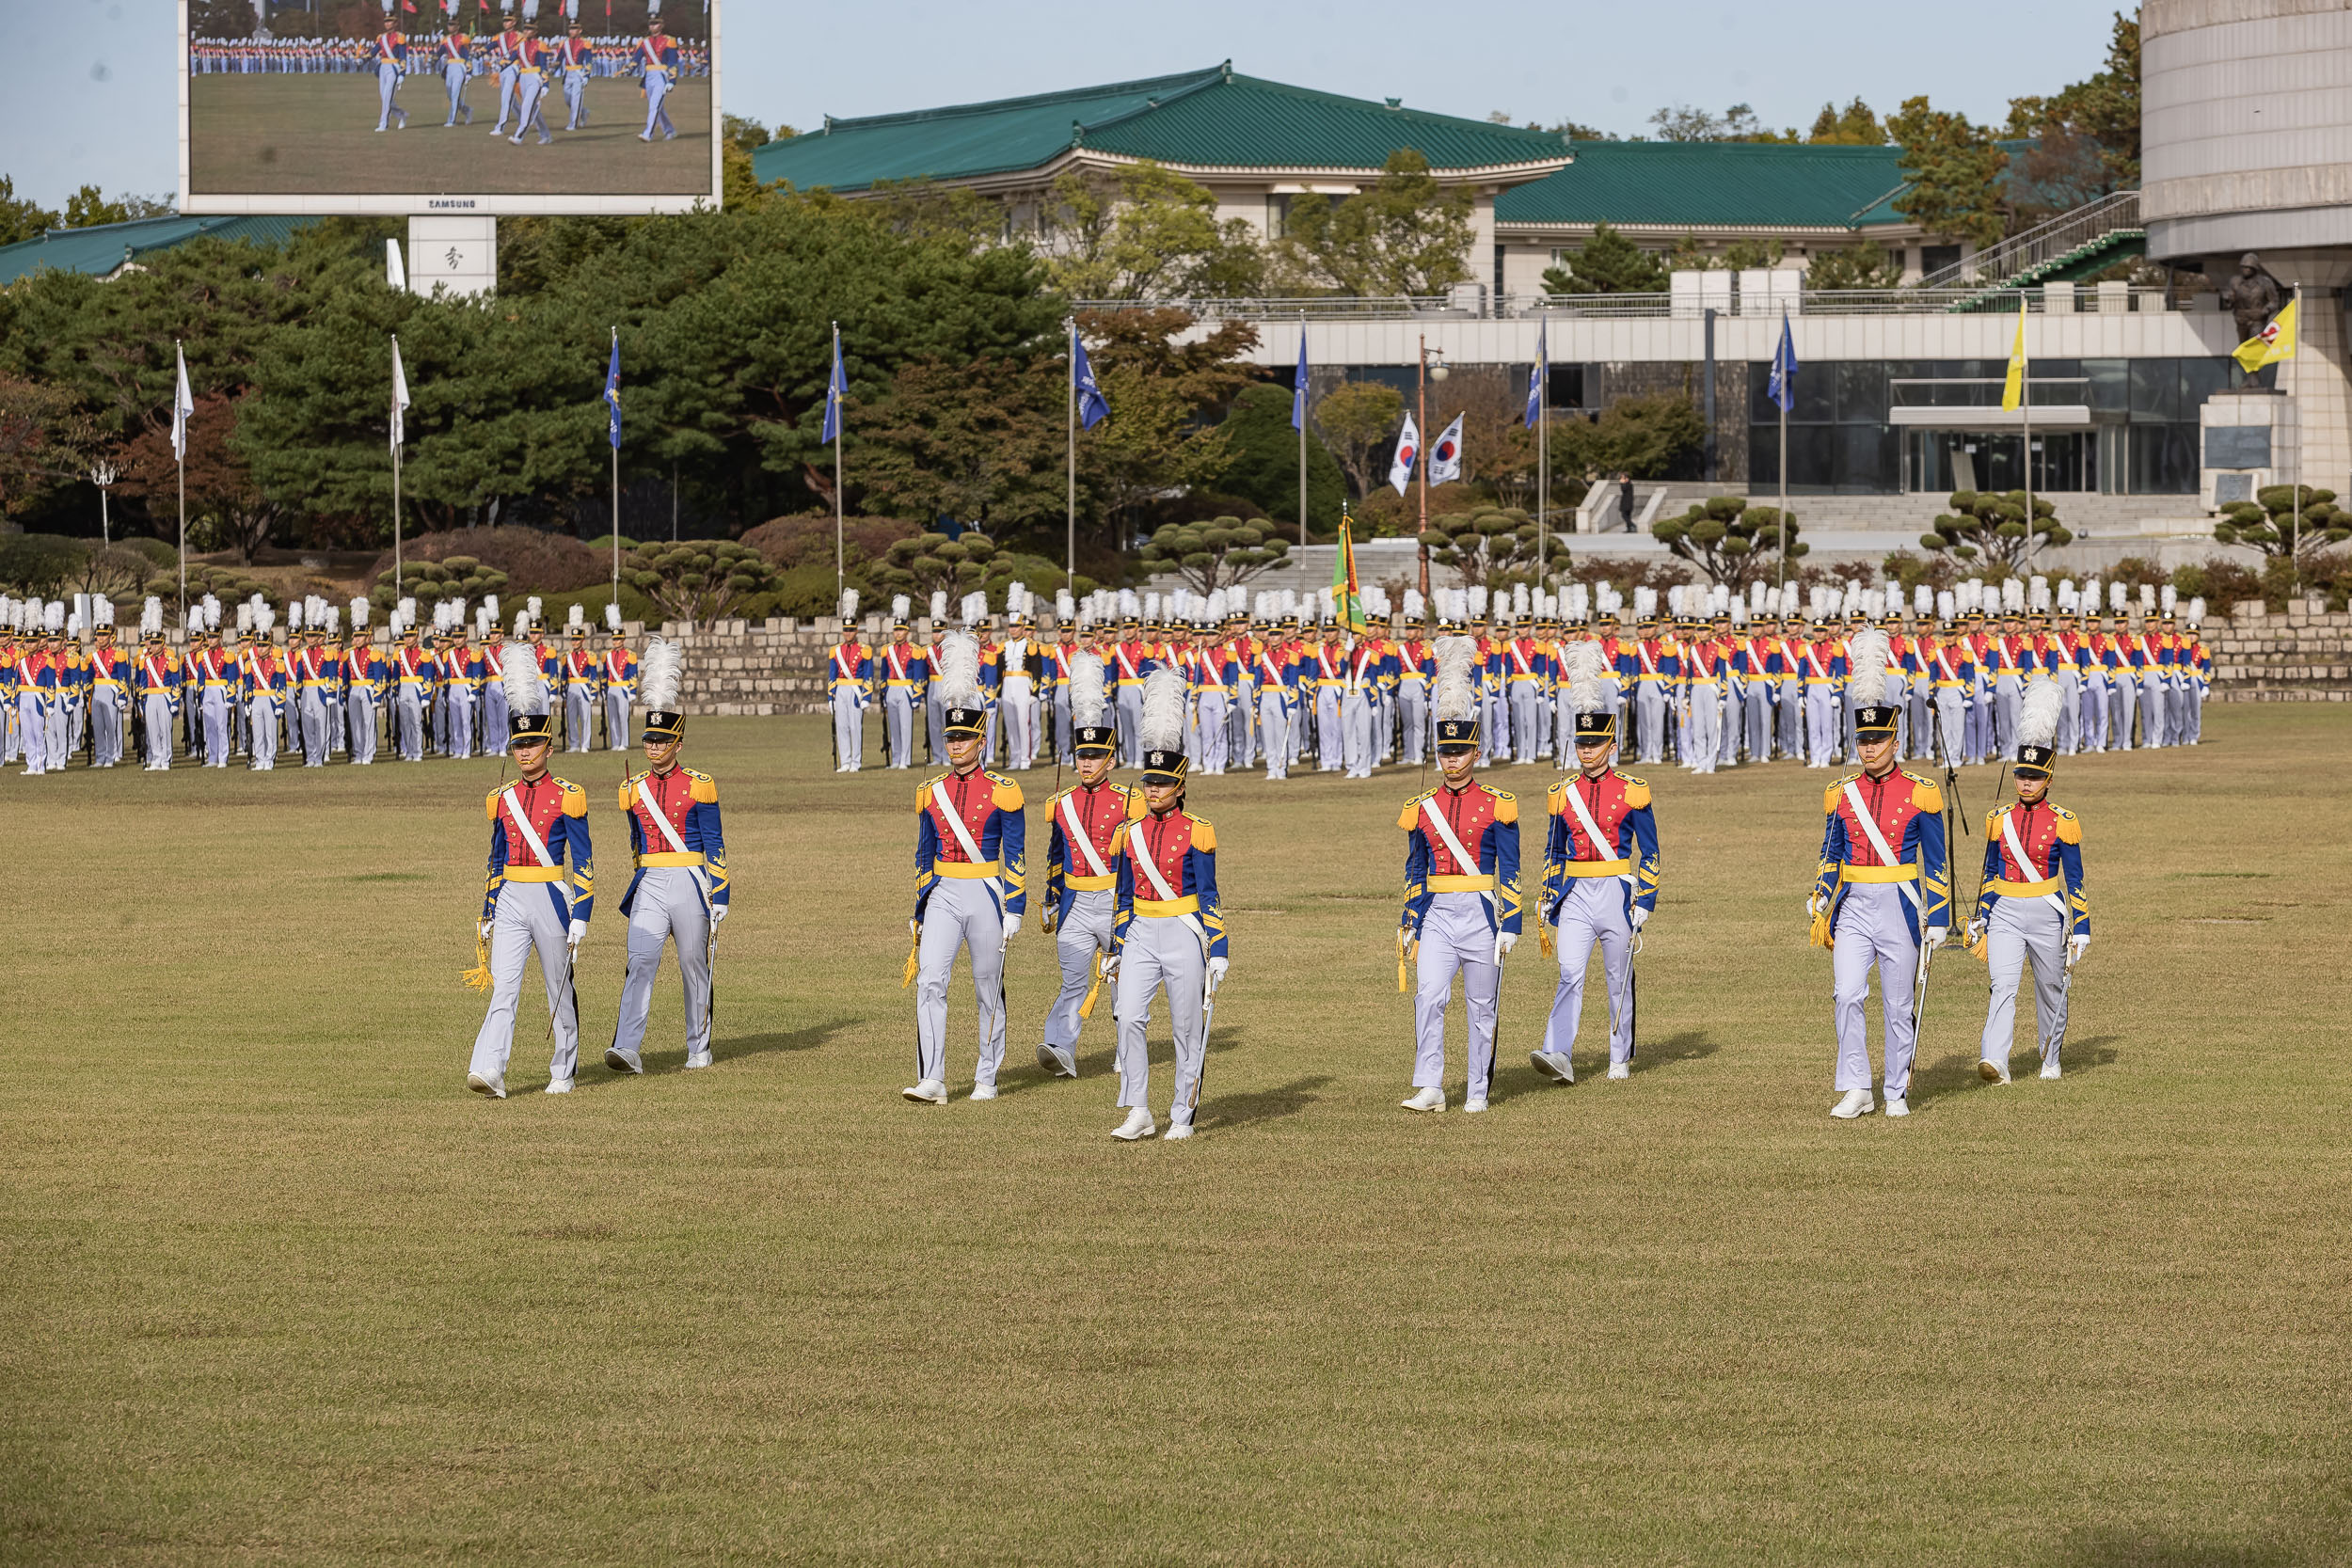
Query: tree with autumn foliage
228 509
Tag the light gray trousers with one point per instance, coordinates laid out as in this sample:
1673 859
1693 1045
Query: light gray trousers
1273 725
1457 936
1083 934
669 905
1872 930
528 915
2023 930
960 913
1161 951
1594 915
160 725
359 715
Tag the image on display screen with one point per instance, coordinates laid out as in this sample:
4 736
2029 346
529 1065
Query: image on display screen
394 105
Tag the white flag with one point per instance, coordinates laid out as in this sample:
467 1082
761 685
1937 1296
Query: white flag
182 408
400 398
1445 458
1408 453
395 273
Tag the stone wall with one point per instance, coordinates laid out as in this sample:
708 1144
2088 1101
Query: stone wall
2302 655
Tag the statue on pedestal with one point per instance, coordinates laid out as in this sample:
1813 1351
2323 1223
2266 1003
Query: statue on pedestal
2253 297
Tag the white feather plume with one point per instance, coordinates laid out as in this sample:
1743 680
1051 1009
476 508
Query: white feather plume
899 604
1877 679
974 608
659 675
960 670
1163 727
1452 696
2038 712
1586 669
1087 701
848 604
611 614
526 689
939 607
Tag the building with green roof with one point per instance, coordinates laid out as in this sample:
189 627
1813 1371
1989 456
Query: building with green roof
1255 145
107 250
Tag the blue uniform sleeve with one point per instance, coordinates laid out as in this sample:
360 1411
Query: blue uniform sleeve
1925 832
1417 894
1123 896
1555 868
575 830
1992 870
1826 878
702 820
1057 896
1012 855
1505 836
1640 831
926 851
1203 868
497 876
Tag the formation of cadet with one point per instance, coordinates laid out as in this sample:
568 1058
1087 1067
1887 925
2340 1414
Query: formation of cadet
325 685
1713 681
539 891
530 61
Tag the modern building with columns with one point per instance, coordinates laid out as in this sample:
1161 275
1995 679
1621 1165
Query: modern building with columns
2247 146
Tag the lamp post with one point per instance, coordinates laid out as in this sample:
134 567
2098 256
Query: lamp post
1428 373
104 476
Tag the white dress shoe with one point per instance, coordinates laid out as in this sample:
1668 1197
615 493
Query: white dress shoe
1621 1070
930 1091
1430 1099
1898 1107
620 1059
697 1059
1553 1065
491 1084
559 1085
983 1091
1138 1125
1856 1103
1993 1072
1474 1104
1179 1130
2050 1066
1061 1061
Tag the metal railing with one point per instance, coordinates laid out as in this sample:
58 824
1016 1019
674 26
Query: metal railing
2046 242
1811 302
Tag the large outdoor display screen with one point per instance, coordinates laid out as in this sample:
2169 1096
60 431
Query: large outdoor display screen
451 106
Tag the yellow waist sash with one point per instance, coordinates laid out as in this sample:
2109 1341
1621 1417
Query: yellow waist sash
1905 873
1597 868
534 873
964 870
2026 890
1461 884
672 857
1167 909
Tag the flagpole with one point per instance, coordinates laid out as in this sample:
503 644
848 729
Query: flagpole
1783 547
840 549
1070 545
616 481
2025 408
1543 440
1302 436
397 376
180 460
2294 385
1421 464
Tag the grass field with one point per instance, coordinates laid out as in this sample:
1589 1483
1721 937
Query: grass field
276 1289
316 136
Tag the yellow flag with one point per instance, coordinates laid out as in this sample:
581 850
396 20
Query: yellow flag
2272 344
2014 389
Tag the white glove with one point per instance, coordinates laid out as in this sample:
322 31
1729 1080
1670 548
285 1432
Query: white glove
1216 973
1504 942
1813 907
1110 966
2077 945
1936 935
579 934
1975 932
718 913
1641 916
1012 926
482 929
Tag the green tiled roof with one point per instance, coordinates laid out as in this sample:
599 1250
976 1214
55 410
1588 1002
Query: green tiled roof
1714 185
1210 118
100 249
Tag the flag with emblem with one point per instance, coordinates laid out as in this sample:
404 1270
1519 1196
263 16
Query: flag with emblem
1347 594
1445 458
1407 453
2272 344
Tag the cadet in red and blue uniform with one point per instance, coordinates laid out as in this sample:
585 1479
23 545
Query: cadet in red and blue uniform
1275 664
970 881
159 691
656 59
456 65
618 673
1822 667
1883 892
573 55
539 892
506 58
679 890
1599 886
391 59
1081 888
266 679
1461 913
2032 908
1168 929
904 670
109 692
534 58
366 674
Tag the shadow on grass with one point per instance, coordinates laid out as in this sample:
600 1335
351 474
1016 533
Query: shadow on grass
1228 1112
1957 1071
594 1074
1516 1077
2128 1548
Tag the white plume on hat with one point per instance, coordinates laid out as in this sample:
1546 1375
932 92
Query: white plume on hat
1922 599
2038 712
2171 596
848 604
526 688
2117 593
151 615
578 618
1163 726
611 614
2196 611
899 604
1585 671
1945 605
660 673
1452 696
1065 607
1478 603
2147 597
1088 692
1416 608
530 607
974 608
1877 680
960 670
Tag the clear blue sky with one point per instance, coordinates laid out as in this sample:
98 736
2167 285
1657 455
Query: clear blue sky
100 104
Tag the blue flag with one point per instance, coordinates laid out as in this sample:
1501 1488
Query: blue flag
613 390
1299 386
835 389
1093 408
1782 387
1535 378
